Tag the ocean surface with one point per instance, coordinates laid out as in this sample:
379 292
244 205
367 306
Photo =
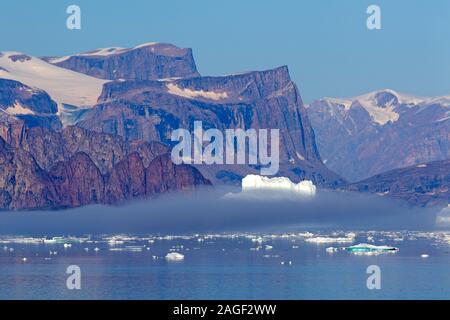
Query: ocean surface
294 264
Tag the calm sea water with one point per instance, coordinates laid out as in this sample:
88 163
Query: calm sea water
227 266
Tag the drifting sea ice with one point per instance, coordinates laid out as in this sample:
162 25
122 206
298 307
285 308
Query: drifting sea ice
369 249
174 256
349 238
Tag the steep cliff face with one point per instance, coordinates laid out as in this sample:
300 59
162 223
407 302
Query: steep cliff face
78 181
30 100
144 62
23 184
163 176
424 185
33 106
151 110
123 186
380 131
65 176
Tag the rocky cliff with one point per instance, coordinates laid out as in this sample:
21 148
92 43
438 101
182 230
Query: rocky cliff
34 106
47 169
144 62
151 110
424 184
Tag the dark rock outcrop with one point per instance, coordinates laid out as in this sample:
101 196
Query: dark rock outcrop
163 176
423 185
78 181
33 106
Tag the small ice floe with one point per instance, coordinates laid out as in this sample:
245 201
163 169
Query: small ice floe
267 247
67 245
369 249
424 256
306 234
284 263
96 249
349 238
331 249
174 256
264 188
24 259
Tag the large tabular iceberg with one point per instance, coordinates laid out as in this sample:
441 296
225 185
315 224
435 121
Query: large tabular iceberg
254 186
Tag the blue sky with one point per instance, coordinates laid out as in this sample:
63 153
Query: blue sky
325 43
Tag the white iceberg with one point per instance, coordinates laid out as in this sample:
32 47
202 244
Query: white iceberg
260 187
330 240
349 238
174 256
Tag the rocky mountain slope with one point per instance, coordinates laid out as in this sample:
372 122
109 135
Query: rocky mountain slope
380 131
423 185
151 110
156 89
41 168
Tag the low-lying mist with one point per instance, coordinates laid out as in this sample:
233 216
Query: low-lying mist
207 211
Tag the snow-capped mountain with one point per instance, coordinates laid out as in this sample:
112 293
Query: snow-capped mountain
82 129
383 130
63 86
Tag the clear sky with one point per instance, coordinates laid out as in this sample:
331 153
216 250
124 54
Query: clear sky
325 43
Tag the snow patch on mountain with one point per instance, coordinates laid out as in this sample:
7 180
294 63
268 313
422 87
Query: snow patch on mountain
192 94
381 105
18 109
63 85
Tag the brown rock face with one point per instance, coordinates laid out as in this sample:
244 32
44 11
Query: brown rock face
69 177
23 184
78 181
163 176
127 180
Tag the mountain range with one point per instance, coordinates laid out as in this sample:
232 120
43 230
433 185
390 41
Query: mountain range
52 107
95 127
380 131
